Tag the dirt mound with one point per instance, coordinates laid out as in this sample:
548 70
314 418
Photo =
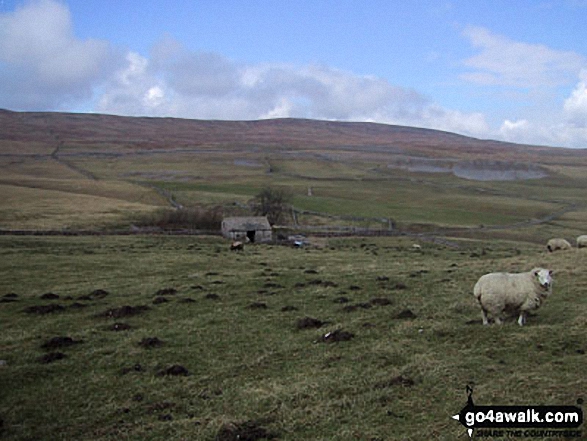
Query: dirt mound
44 309
174 370
380 301
77 305
257 305
309 323
50 296
288 308
99 294
352 308
135 368
324 283
150 342
124 311
337 336
245 431
8 298
60 342
406 314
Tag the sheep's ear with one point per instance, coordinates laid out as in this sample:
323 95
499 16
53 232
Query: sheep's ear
551 272
536 273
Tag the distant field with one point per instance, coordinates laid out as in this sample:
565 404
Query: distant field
417 338
44 193
103 172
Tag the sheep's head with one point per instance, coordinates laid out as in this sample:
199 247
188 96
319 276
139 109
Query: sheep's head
544 277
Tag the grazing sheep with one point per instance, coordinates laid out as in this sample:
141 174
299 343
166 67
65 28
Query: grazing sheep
237 246
558 244
582 241
520 293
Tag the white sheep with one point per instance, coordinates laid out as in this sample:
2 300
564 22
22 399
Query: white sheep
558 244
520 293
582 241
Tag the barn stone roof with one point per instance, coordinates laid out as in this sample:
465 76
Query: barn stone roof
246 223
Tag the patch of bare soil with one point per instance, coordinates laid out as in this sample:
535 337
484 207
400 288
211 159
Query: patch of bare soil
336 336
406 314
309 323
244 431
8 298
175 370
150 342
119 327
134 368
124 311
60 342
99 294
352 308
257 305
380 301
44 309
166 292
49 296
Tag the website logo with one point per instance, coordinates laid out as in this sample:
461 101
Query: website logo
520 421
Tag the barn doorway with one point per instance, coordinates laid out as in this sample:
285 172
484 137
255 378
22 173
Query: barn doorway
251 236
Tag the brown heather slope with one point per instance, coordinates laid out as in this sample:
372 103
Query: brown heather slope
84 133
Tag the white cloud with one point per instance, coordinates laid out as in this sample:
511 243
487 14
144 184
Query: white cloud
504 62
177 82
514 130
42 64
575 106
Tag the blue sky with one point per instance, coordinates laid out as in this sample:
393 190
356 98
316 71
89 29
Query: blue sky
514 71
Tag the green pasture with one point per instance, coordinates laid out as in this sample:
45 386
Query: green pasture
89 189
232 321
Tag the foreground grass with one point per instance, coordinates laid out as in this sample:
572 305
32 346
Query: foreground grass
247 360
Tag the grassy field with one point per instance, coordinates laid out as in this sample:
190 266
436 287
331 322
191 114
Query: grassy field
254 368
142 337
104 192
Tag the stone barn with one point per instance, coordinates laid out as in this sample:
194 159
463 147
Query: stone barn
255 229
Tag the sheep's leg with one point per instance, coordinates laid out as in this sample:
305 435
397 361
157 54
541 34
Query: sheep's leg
522 318
485 319
498 320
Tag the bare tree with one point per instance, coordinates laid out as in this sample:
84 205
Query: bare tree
273 203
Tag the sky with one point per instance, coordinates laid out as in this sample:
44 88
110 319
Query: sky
492 69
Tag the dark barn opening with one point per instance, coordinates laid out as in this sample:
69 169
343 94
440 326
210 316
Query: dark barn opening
251 236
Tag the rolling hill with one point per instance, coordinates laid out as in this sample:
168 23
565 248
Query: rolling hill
63 170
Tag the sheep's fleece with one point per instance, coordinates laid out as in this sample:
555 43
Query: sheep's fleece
558 244
519 293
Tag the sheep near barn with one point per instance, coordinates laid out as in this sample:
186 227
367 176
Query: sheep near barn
558 244
237 246
519 293
582 241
